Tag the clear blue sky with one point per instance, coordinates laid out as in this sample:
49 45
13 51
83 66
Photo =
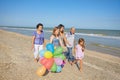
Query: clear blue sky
88 14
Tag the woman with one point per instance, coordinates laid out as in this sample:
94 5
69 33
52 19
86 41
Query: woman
38 40
55 38
62 35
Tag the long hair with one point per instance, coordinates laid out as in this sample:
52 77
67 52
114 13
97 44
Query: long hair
82 40
56 28
60 26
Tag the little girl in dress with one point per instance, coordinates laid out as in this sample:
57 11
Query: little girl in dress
79 51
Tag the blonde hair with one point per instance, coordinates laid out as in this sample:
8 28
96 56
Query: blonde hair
56 28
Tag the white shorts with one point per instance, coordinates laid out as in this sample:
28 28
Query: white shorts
37 48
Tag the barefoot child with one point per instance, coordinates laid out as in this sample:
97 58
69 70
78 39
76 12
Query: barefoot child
38 40
79 51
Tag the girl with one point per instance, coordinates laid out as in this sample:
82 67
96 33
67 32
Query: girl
62 35
55 39
79 50
38 40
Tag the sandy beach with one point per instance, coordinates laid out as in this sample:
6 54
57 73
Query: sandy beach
17 62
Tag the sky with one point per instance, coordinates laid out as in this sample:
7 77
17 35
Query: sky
84 14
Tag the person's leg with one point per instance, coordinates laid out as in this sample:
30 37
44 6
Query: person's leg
40 48
68 52
36 51
71 55
71 58
80 65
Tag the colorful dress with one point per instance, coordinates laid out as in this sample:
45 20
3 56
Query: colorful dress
79 52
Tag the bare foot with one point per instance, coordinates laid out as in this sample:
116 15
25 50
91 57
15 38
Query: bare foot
80 70
70 62
35 60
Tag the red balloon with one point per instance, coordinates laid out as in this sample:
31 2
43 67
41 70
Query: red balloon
43 61
49 63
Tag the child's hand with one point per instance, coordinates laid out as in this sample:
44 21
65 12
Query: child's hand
32 47
69 44
74 50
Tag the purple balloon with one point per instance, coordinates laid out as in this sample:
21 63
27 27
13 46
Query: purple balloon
58 61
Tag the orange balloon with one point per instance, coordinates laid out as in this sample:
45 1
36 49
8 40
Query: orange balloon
41 71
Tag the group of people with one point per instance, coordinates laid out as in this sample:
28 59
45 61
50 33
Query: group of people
60 38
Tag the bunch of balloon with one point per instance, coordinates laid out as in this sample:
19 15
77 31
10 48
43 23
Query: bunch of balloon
51 59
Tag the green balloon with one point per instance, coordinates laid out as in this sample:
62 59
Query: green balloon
58 51
54 68
60 56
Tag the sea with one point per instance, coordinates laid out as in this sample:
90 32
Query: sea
99 40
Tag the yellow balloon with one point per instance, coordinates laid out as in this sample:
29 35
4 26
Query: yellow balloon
48 54
41 71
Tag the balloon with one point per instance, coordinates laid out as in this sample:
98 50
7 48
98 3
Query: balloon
40 58
48 54
43 61
63 64
58 61
59 69
41 71
42 52
60 56
50 47
54 68
58 51
49 63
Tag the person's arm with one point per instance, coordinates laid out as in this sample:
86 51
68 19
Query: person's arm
61 42
75 50
51 38
83 49
66 41
33 40
74 47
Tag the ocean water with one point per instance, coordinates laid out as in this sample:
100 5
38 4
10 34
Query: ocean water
105 41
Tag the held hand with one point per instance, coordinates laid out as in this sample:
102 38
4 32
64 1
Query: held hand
32 47
69 44
74 50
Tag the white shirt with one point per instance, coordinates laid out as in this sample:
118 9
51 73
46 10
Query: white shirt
70 38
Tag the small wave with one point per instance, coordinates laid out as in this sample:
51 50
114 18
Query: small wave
48 30
105 46
98 35
17 28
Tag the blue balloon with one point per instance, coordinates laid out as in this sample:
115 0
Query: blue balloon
50 47
41 53
59 69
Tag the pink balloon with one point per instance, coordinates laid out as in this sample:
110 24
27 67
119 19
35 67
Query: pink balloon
40 58
58 61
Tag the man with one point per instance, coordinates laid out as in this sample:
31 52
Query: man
70 38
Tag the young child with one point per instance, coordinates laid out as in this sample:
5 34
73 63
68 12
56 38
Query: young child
79 51
38 40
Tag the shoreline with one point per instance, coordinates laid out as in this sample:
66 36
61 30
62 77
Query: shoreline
89 46
17 59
